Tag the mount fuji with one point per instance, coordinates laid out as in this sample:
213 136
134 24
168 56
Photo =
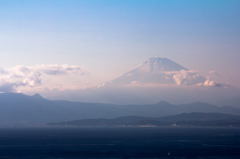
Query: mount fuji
157 79
159 71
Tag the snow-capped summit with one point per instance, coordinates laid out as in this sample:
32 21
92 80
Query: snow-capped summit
158 71
158 65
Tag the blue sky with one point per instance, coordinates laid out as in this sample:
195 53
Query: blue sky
110 37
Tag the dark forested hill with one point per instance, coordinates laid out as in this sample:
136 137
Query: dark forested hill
185 119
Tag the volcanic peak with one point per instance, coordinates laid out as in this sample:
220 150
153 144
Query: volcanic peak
158 65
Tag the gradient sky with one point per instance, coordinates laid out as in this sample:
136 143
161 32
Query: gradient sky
110 37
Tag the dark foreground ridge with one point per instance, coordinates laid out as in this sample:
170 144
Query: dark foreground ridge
185 119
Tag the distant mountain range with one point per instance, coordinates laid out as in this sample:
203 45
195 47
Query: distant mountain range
185 119
235 102
19 109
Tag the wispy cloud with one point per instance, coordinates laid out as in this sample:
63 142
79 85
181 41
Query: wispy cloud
214 73
11 78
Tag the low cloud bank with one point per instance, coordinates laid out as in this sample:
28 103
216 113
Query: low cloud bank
168 78
190 77
11 78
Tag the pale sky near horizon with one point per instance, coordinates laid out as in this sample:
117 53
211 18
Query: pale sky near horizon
110 37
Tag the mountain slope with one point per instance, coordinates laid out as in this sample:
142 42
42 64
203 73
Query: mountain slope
158 71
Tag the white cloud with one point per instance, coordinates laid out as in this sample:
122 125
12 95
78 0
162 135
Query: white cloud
212 83
191 77
11 78
186 77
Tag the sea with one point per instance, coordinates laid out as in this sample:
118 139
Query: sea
120 143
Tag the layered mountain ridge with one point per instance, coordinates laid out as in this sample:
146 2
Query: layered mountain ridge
20 109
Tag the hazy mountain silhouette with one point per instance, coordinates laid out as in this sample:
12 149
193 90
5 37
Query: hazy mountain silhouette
37 96
234 102
16 108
